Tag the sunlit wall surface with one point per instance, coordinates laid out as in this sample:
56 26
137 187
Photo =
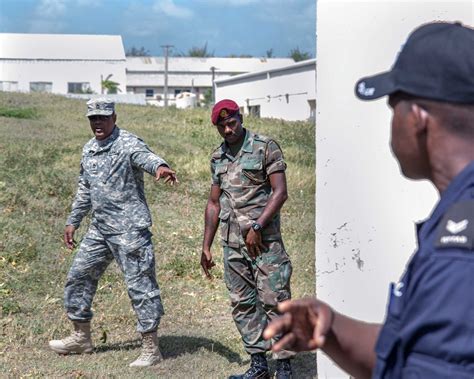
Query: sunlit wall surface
365 210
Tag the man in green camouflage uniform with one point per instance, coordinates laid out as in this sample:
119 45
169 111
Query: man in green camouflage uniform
247 191
111 186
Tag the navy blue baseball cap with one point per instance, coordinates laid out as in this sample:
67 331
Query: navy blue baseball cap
436 62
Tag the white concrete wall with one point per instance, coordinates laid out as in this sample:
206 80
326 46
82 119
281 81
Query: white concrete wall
269 93
62 72
365 208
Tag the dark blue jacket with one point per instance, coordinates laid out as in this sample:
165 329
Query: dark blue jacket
429 327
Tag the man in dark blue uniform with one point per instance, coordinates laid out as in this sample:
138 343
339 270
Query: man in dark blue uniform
429 327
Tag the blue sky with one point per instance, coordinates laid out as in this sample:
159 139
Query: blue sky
228 26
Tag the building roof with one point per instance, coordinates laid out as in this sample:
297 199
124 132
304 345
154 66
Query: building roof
309 64
191 64
61 47
174 80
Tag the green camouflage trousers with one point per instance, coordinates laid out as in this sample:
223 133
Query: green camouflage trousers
133 252
256 287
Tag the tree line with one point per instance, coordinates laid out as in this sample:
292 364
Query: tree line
203 52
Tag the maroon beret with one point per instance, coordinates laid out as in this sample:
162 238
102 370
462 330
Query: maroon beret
224 109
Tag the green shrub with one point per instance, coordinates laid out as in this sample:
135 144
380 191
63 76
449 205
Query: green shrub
28 113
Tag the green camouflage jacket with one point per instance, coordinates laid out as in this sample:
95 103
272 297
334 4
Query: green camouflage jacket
246 186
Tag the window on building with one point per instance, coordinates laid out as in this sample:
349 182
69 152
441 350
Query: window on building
79 87
149 92
8 86
254 110
41 87
181 90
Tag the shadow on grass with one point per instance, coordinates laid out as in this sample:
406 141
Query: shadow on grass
174 346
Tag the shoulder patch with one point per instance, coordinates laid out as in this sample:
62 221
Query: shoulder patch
88 145
258 137
125 134
217 153
456 229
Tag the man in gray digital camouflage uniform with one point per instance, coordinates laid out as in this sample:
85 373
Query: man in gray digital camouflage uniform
247 191
111 186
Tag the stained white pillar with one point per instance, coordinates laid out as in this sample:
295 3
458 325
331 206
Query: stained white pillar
365 209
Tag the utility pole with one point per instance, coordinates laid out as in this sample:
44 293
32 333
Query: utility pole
213 71
165 92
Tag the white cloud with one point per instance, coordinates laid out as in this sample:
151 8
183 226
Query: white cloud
86 3
242 3
47 17
139 21
147 29
170 9
294 14
51 8
238 3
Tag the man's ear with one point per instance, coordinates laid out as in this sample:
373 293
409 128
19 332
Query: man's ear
422 117
114 117
241 118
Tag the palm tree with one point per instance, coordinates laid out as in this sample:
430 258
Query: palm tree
200 52
299 55
109 85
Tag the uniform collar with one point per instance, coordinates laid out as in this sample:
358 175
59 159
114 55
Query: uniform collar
460 181
106 143
247 145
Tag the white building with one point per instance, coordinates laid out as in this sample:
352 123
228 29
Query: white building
287 92
146 75
60 63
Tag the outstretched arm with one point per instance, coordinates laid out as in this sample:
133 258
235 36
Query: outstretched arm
148 161
167 173
308 324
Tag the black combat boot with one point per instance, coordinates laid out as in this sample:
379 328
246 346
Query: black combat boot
258 368
283 369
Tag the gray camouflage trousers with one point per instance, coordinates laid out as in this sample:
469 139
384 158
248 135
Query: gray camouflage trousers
256 287
133 252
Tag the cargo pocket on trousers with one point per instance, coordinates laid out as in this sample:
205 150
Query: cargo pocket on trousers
224 216
279 281
139 262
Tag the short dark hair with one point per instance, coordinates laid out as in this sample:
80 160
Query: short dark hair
457 118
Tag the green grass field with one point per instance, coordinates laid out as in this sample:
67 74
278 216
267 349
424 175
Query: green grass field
41 137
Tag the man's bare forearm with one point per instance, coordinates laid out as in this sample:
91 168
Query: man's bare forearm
351 344
211 222
276 199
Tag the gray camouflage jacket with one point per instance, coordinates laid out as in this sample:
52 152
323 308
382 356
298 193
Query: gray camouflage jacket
111 183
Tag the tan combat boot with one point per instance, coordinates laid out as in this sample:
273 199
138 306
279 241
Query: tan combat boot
150 351
77 343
